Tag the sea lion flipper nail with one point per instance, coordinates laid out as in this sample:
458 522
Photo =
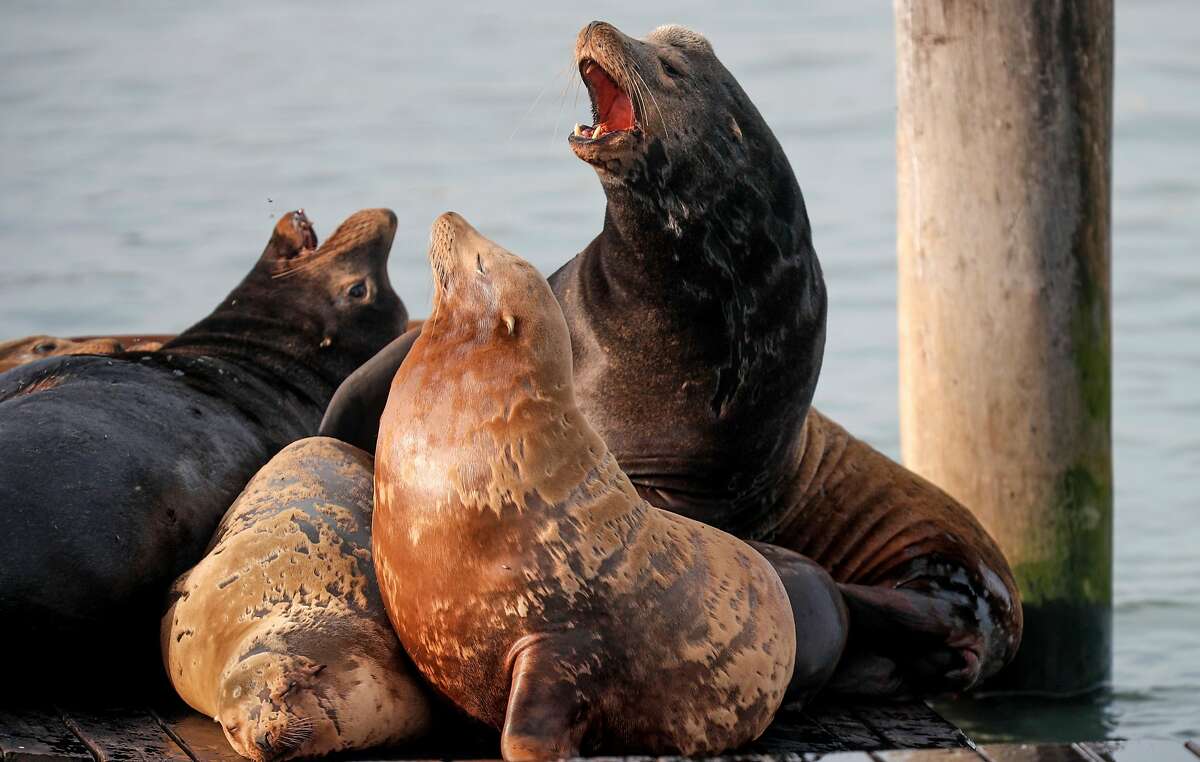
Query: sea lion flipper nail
357 405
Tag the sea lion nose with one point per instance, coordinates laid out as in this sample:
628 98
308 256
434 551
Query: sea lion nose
263 742
593 27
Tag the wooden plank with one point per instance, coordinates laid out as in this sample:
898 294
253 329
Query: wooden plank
913 725
38 735
793 732
929 755
1136 751
123 735
197 734
841 722
1025 752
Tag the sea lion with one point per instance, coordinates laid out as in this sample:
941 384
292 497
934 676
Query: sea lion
524 575
279 633
697 321
21 351
117 469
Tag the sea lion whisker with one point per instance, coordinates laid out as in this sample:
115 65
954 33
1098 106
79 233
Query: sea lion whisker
662 120
533 105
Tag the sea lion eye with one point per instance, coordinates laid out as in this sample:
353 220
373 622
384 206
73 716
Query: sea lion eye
288 689
358 290
671 71
44 347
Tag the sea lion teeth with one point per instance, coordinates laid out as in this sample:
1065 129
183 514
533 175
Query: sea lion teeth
578 130
596 133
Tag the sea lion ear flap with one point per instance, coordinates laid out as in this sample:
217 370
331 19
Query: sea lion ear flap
292 238
510 324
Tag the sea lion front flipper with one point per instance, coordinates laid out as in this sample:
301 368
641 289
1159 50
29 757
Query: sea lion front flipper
545 717
357 405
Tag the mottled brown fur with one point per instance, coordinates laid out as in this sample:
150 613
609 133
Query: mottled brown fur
526 578
279 633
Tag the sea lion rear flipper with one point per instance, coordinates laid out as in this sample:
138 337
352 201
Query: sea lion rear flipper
929 636
545 717
357 405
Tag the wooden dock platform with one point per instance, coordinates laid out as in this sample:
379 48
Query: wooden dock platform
911 732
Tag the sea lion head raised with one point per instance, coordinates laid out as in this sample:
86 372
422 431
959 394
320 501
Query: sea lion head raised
485 295
345 279
328 307
674 129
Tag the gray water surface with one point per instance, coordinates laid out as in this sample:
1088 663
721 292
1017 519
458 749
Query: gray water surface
146 149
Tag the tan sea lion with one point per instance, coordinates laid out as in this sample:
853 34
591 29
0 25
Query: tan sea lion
20 351
524 575
279 633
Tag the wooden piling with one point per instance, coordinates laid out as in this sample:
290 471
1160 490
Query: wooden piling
1004 143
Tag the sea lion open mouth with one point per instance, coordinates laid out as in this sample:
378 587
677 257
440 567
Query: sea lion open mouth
612 109
308 236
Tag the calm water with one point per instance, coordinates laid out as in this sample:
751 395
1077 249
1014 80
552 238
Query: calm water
145 150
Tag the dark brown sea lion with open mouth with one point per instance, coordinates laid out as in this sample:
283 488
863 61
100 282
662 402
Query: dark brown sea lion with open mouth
697 320
117 469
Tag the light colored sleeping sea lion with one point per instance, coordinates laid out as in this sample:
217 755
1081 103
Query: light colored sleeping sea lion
279 633
525 577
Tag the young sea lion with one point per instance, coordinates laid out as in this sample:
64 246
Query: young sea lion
21 351
524 575
697 320
279 633
117 469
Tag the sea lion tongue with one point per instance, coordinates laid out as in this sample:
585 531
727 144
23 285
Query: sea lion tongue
611 107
